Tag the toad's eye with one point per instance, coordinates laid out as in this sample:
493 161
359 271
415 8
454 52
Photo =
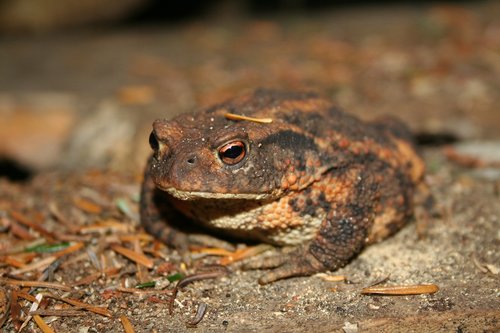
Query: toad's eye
232 152
153 142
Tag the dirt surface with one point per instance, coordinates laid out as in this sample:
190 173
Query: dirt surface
91 96
457 251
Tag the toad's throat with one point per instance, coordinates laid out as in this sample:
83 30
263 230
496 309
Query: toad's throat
246 216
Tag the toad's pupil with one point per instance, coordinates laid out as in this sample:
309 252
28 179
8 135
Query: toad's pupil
233 151
153 142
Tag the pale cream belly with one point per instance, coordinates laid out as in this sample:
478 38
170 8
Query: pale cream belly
252 220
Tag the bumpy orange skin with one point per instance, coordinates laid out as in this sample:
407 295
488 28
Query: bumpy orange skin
315 177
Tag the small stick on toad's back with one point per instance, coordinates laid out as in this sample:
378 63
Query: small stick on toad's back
232 116
417 289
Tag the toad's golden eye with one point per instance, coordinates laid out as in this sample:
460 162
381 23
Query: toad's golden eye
232 152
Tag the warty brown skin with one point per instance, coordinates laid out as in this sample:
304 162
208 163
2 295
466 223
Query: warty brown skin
315 178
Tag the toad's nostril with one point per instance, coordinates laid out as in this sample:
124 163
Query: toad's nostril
191 160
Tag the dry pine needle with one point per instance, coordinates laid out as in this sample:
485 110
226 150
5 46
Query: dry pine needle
417 289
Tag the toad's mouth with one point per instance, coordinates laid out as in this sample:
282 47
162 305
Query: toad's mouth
193 195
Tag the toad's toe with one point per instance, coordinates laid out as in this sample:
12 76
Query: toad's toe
299 262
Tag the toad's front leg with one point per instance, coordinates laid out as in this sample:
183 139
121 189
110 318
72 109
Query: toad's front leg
338 240
156 212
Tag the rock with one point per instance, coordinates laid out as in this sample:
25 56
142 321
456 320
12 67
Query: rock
475 153
35 127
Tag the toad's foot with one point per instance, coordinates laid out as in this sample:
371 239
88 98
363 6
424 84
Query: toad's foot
299 262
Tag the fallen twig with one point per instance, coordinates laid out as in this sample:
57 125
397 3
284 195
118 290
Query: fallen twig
417 289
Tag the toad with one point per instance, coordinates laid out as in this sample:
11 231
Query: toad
303 174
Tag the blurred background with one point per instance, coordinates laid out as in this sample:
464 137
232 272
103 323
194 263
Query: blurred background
82 80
